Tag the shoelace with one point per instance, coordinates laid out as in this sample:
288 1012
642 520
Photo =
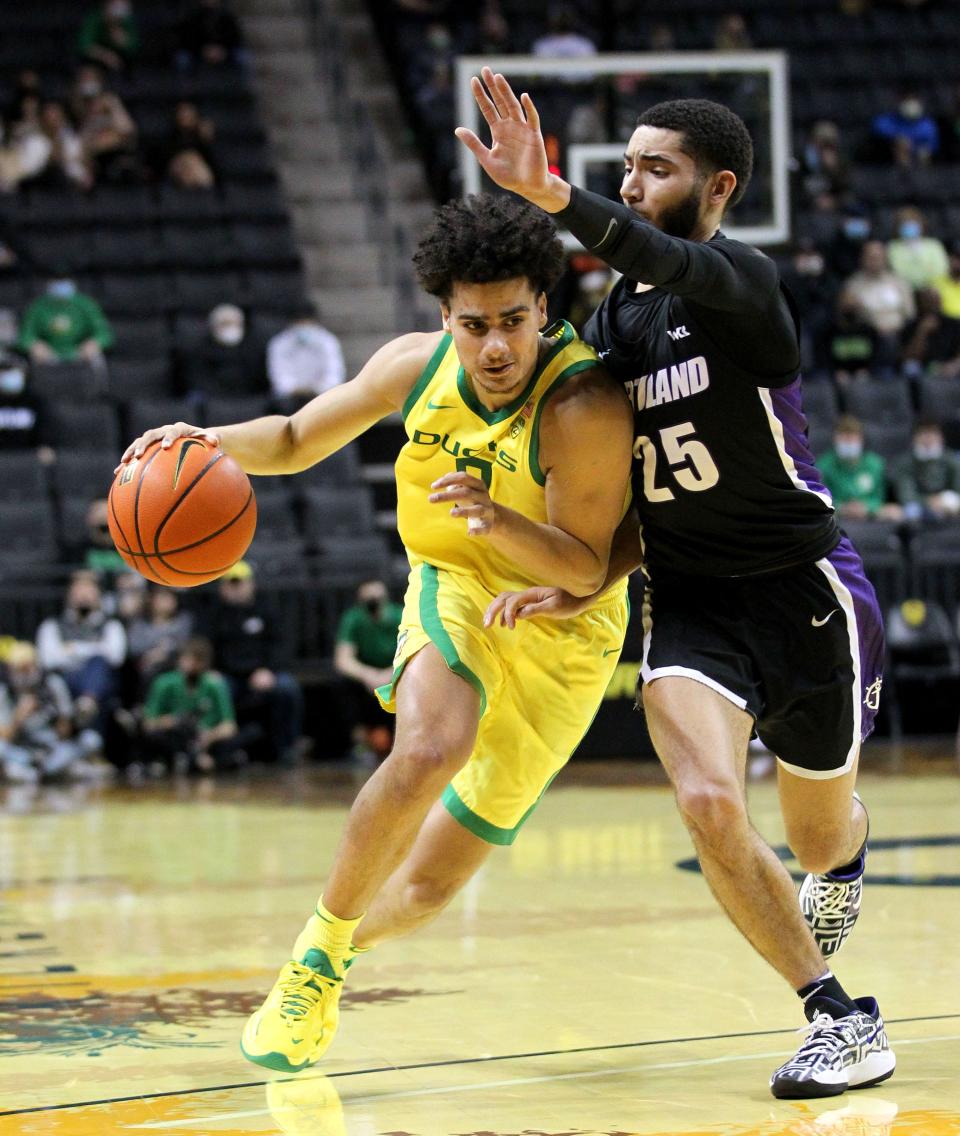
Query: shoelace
302 990
824 1037
831 898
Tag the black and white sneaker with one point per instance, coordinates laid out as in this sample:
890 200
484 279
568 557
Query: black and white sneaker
831 903
846 1051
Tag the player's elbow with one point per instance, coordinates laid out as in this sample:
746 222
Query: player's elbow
586 581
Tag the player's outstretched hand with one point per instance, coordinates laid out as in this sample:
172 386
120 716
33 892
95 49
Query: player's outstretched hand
166 436
545 602
517 159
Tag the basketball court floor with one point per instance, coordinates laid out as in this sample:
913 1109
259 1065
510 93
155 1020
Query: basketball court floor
585 984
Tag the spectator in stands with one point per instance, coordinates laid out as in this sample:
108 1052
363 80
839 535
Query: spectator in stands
99 554
109 35
931 343
303 360
156 637
86 646
187 170
23 152
190 134
88 84
731 33
14 254
910 135
825 173
62 153
919 259
563 40
882 300
226 363
27 83
209 34
64 324
189 719
856 477
109 137
815 289
846 250
250 652
926 481
949 285
24 419
38 732
366 642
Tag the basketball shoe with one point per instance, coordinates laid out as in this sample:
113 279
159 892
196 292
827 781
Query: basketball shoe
831 903
296 1024
848 1050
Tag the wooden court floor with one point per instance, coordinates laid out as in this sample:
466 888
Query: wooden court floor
583 985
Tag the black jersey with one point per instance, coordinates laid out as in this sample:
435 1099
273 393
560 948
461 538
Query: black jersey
724 480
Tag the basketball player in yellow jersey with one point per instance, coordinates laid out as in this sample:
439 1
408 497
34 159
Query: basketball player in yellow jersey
515 467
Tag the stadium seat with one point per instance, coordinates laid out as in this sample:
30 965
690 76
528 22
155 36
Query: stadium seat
337 510
203 246
939 398
275 291
176 204
888 439
148 413
883 554
341 468
127 249
820 400
349 559
84 473
879 400
22 477
201 291
28 527
115 205
140 337
283 559
223 411
270 245
141 378
275 516
83 425
68 380
922 648
135 293
254 202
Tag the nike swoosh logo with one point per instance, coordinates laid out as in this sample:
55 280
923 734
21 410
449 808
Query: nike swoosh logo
437 406
814 622
182 457
816 989
610 650
610 228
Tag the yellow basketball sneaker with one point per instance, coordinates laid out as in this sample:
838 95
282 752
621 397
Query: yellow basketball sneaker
296 1024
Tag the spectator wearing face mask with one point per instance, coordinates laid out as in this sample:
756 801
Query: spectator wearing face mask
64 324
948 285
856 477
86 647
24 420
366 642
932 341
881 302
919 259
304 360
109 35
910 135
226 363
926 481
814 288
825 173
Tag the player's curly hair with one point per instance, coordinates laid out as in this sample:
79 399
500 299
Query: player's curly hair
483 239
713 135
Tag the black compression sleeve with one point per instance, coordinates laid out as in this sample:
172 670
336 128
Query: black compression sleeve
729 278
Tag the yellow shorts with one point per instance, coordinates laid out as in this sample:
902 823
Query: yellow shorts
539 685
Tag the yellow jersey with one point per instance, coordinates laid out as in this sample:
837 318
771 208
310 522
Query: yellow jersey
449 429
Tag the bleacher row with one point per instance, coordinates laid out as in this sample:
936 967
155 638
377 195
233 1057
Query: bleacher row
319 522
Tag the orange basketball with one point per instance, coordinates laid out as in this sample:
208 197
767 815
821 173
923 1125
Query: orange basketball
184 515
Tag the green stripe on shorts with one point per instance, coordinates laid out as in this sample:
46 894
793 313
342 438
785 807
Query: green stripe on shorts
439 636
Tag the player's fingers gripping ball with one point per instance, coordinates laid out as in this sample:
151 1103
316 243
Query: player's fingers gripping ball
182 514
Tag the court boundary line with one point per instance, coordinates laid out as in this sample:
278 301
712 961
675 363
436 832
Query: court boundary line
442 1064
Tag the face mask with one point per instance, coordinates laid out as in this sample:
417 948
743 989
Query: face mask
373 606
849 451
910 230
856 228
810 265
229 335
911 108
927 451
89 88
12 381
83 610
118 10
62 289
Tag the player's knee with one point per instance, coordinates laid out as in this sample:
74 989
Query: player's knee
425 895
712 811
427 762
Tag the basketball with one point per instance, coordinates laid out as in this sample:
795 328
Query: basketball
182 516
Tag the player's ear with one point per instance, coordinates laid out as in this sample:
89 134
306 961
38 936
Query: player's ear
445 314
542 309
722 187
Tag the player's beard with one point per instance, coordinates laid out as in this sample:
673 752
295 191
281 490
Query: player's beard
680 220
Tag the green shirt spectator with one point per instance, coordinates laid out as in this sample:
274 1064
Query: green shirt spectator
927 480
861 479
206 701
109 35
373 633
64 324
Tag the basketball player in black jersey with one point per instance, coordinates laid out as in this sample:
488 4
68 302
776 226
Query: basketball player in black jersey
757 614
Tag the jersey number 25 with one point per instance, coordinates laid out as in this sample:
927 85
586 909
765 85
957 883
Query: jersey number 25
690 462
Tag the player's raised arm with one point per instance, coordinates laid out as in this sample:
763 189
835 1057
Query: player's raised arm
277 444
